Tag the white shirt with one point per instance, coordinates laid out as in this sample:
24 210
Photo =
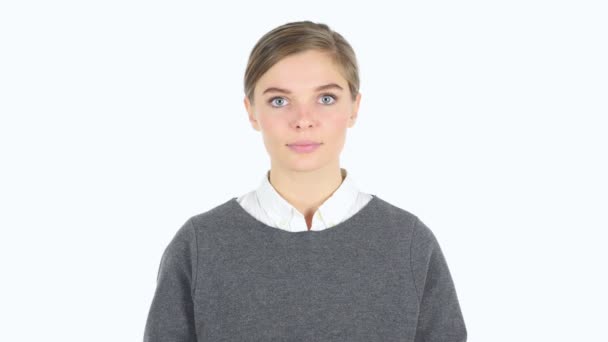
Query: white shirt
268 206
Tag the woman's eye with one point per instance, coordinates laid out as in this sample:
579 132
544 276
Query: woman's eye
328 99
277 101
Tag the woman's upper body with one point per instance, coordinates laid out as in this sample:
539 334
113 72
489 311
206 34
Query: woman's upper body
377 275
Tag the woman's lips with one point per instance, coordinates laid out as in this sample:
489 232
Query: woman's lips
304 148
304 142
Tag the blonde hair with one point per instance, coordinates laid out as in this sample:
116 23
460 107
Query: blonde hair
295 37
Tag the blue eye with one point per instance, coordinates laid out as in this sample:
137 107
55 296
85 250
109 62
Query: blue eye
332 96
272 103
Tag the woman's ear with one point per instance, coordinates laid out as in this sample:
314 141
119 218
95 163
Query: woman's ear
251 114
355 112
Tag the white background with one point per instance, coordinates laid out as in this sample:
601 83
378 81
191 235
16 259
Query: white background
121 119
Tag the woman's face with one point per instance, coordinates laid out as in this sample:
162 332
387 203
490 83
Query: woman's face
290 106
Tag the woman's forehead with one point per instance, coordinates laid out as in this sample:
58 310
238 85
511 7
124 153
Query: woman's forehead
328 86
288 82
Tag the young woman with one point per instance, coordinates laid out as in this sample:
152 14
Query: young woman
306 256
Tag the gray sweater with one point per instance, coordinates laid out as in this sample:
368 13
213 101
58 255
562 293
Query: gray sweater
380 275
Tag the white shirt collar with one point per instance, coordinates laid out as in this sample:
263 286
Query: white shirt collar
331 212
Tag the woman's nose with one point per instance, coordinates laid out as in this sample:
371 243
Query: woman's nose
304 116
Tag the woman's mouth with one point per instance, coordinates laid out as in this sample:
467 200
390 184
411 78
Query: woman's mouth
306 147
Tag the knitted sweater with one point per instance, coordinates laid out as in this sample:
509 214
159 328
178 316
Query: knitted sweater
380 275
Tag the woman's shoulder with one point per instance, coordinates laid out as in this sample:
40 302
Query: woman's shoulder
394 212
218 213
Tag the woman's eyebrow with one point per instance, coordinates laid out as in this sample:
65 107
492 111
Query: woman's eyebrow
323 87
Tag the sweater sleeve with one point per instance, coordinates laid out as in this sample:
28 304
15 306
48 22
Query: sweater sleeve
171 314
440 317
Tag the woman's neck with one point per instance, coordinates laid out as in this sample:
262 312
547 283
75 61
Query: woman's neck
306 190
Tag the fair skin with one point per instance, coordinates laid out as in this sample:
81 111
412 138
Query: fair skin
301 111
